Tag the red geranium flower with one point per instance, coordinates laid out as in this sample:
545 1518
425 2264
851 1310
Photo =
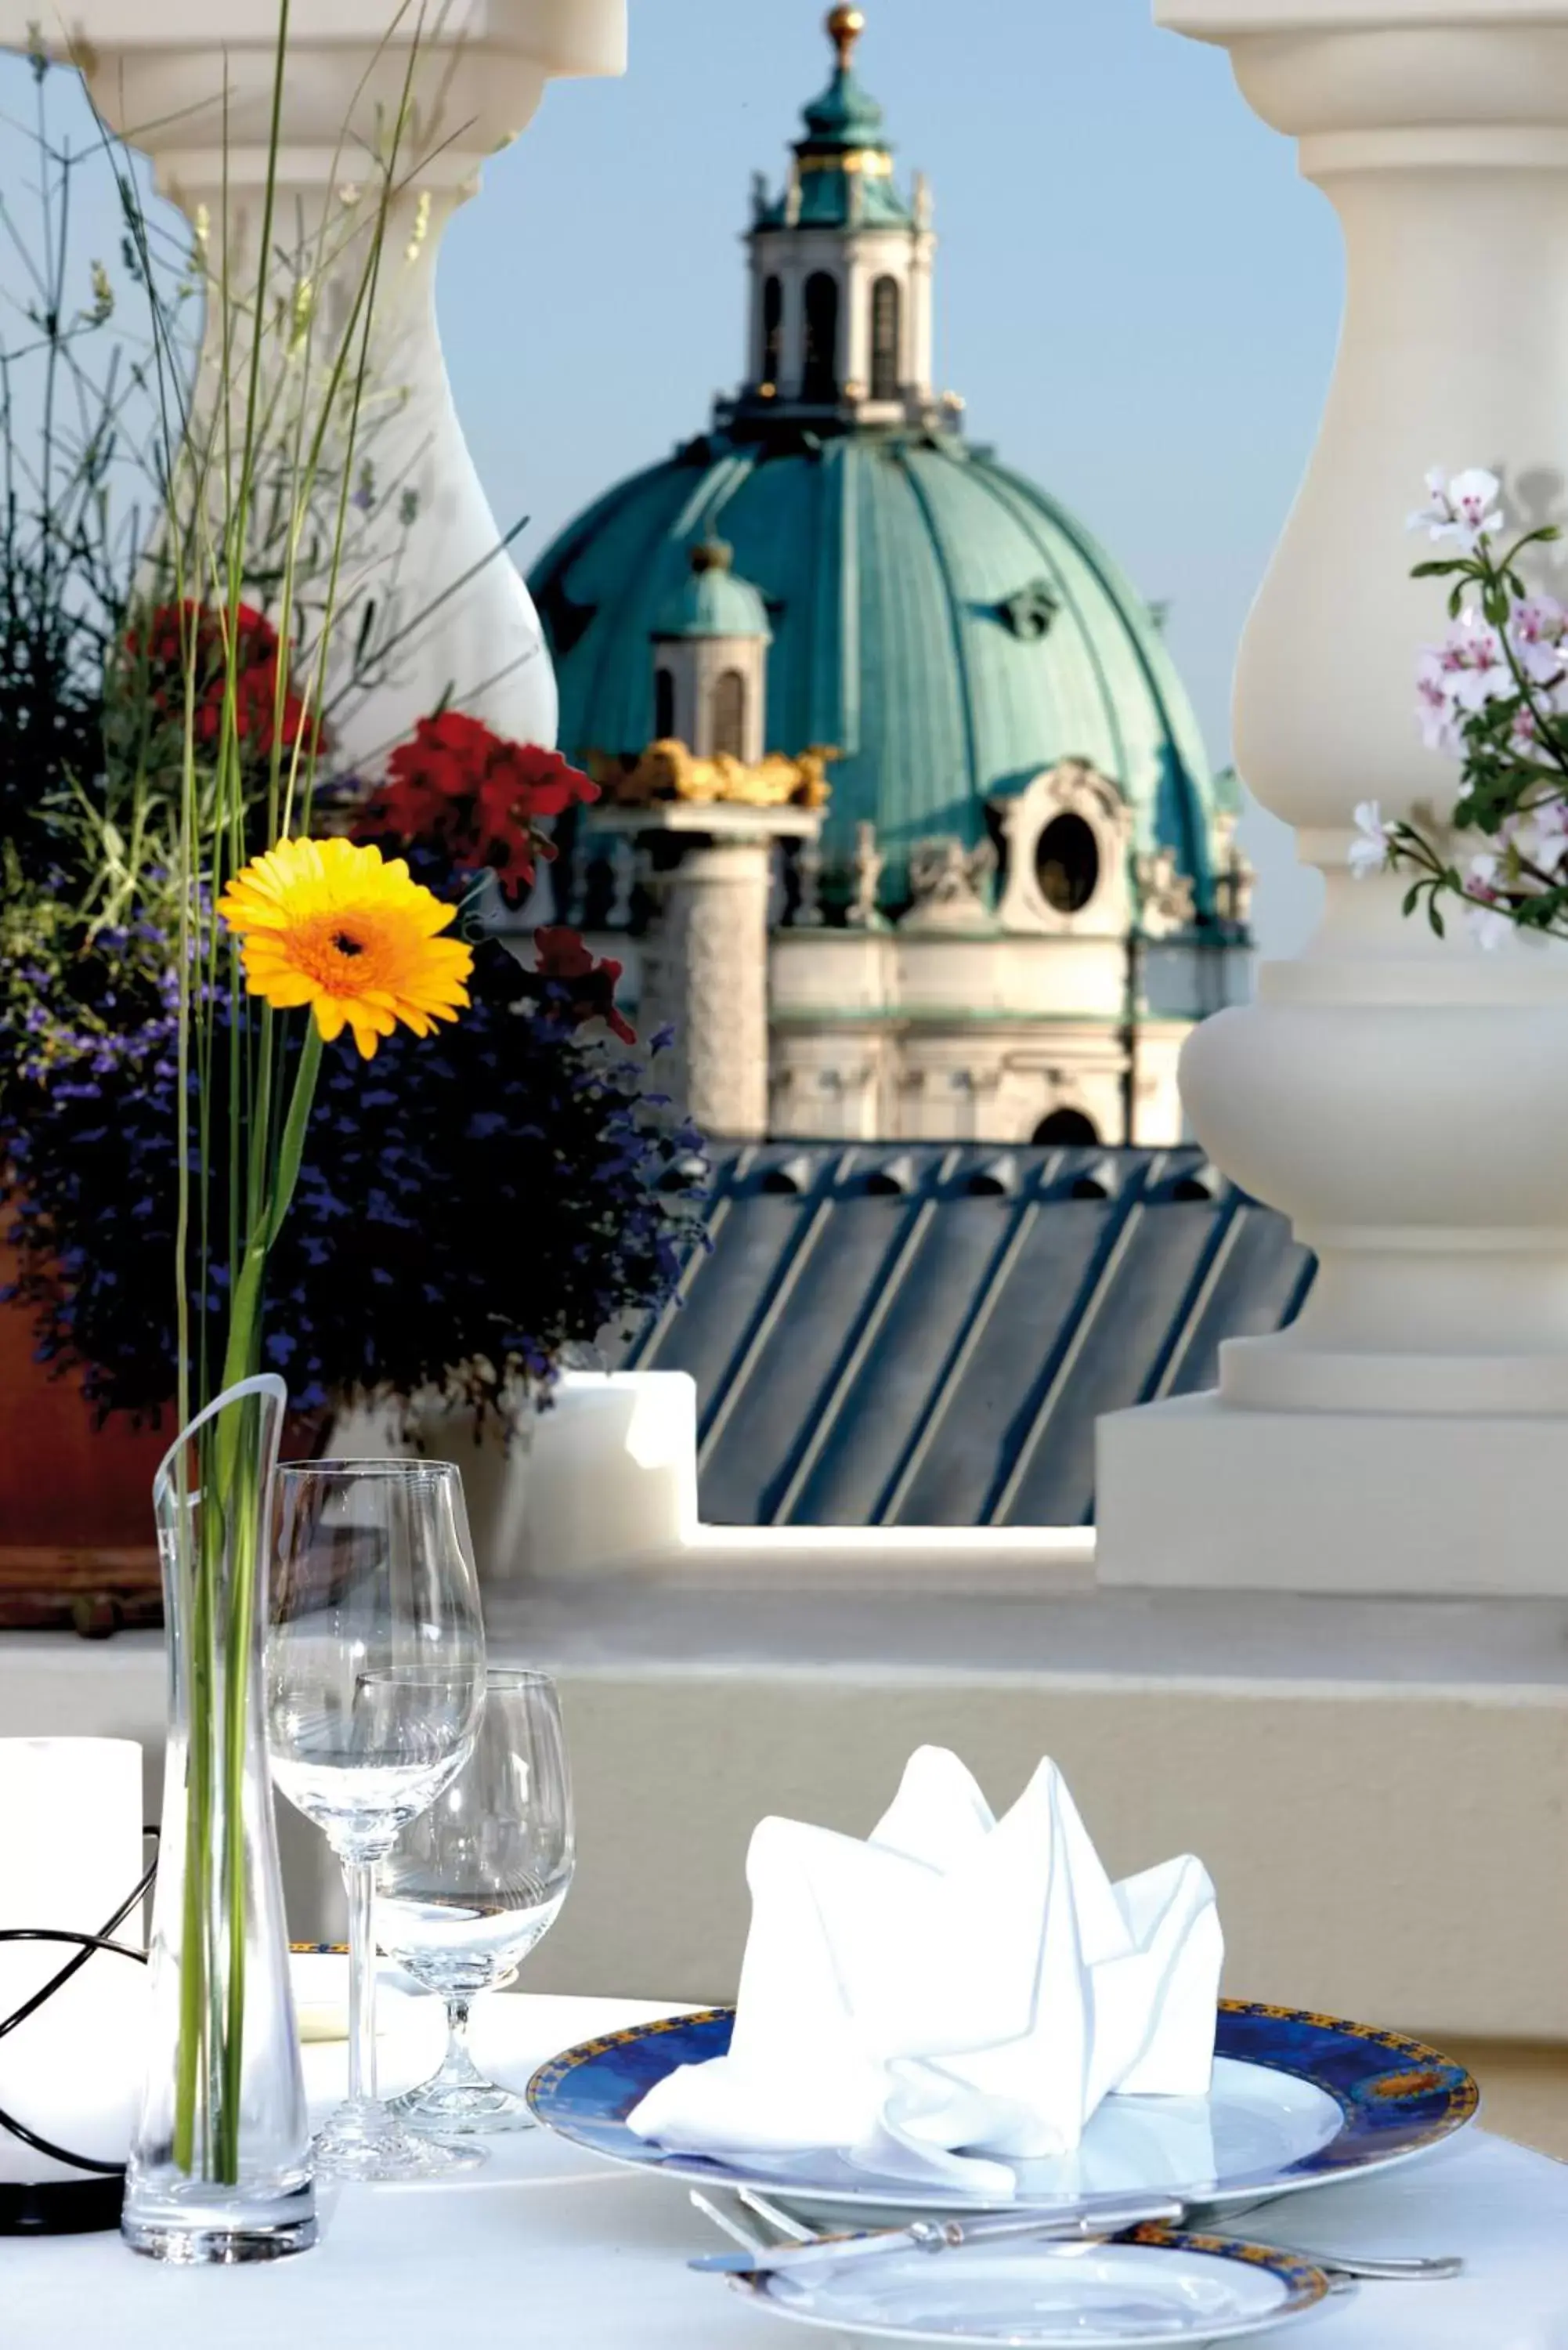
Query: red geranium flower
480 796
176 633
589 987
172 627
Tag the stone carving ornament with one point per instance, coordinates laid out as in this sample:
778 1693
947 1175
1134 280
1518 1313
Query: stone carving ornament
865 912
1165 903
948 883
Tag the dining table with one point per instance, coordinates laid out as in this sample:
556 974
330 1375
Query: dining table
549 2247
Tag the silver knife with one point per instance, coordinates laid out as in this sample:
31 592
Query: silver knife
944 2235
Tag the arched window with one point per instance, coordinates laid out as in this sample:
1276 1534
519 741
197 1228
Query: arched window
821 376
1067 864
887 311
1066 1127
663 705
772 329
730 713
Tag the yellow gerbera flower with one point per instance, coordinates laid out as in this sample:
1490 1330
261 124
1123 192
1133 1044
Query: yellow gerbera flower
339 927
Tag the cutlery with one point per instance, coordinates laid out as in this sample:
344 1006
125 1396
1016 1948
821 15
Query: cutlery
725 2224
791 2231
931 2236
1403 2269
1412 2268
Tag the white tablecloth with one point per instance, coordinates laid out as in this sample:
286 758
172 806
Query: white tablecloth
549 2249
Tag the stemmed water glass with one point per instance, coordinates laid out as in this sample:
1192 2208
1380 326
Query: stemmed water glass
475 1882
375 1672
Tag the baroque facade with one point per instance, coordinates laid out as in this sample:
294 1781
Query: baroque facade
908 830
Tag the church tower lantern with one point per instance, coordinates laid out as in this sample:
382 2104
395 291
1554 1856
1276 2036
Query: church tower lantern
841 269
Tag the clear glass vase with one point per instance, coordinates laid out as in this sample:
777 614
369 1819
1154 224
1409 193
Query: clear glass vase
220 2165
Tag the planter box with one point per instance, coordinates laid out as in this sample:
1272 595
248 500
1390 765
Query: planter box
77 1544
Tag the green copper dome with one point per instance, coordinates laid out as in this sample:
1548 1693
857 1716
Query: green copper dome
711 601
936 616
846 116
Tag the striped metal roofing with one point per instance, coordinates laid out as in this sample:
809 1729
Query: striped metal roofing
889 564
925 1334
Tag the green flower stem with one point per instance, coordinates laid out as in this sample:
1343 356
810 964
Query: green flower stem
242 1514
239 1502
243 1356
190 2066
291 1148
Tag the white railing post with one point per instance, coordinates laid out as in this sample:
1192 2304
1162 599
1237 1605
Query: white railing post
1402 1098
190 87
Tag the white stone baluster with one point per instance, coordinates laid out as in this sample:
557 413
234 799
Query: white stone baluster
192 89
1402 1098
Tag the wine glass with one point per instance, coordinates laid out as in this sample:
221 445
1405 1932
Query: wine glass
375 1673
474 1883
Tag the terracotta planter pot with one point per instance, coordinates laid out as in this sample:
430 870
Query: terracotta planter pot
77 1540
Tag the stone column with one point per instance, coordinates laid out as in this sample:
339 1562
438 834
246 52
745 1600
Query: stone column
192 89
705 959
1402 1098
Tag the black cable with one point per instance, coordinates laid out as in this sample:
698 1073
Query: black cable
86 1945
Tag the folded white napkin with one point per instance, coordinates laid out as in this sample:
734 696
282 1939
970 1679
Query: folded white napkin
956 1981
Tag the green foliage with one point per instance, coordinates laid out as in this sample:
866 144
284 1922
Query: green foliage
1513 754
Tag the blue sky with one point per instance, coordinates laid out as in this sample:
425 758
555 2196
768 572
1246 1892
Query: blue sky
1138 296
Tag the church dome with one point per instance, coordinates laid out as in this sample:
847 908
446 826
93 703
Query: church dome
711 601
936 618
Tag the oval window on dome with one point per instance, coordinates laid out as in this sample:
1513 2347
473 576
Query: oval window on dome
1067 864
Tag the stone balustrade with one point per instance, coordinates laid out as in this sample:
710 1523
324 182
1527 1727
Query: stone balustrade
1403 1097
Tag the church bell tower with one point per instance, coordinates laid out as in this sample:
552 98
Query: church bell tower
840 325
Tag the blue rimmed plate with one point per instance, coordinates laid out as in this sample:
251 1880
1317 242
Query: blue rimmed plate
1153 2287
1297 2100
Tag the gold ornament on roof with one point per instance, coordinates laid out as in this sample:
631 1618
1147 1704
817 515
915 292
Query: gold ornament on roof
668 771
871 162
845 26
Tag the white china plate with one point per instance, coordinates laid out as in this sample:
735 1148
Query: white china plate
1177 2289
1297 2101
1255 2124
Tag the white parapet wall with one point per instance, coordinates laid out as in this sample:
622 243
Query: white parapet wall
1378 1785
1378 1788
610 1490
612 1471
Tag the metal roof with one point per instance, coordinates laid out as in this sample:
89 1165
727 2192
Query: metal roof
925 1334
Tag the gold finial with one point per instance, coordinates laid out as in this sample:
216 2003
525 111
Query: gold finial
845 26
